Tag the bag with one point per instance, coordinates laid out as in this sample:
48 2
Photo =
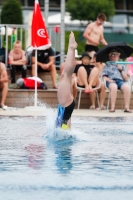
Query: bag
30 84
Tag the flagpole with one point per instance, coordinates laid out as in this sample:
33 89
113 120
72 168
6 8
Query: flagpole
35 96
40 41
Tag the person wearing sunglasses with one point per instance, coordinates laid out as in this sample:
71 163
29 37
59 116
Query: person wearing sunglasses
116 78
94 34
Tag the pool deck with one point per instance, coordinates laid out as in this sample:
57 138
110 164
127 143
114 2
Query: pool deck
40 111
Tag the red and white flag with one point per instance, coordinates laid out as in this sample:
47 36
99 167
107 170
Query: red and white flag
40 38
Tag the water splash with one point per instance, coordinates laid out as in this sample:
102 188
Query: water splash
54 134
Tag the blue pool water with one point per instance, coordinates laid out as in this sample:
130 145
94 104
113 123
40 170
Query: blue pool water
93 161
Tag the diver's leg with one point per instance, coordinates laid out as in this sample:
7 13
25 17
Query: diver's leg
70 58
65 96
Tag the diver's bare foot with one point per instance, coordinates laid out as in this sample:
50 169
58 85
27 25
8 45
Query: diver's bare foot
72 43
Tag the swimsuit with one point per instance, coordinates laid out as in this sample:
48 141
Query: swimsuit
83 86
90 48
63 115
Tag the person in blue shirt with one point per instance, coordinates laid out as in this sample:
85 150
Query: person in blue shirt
116 78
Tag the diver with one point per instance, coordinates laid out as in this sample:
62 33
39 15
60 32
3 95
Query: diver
65 98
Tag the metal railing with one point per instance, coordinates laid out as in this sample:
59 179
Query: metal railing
11 32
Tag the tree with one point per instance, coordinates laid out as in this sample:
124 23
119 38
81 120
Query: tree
89 9
11 12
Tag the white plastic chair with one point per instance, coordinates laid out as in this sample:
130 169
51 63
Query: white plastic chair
80 89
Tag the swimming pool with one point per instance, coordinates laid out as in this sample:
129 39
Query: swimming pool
95 163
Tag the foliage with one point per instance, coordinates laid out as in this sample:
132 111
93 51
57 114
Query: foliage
79 39
11 12
89 9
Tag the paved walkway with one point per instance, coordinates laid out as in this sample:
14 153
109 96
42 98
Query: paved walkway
40 111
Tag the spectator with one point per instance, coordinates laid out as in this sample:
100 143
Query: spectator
102 90
94 33
88 77
45 62
83 72
17 60
116 77
3 85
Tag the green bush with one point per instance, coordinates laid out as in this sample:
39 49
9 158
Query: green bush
11 12
89 9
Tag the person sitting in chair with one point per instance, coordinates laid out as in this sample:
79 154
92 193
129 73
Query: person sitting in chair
116 78
88 77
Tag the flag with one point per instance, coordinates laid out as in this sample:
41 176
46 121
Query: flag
40 38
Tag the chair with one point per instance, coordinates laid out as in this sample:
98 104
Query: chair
82 89
108 90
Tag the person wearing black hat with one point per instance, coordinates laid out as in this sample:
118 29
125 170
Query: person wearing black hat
88 77
84 71
116 78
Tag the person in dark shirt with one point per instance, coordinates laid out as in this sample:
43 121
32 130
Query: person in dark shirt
45 62
88 68
88 77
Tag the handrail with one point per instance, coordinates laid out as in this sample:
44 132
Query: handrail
119 62
23 33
